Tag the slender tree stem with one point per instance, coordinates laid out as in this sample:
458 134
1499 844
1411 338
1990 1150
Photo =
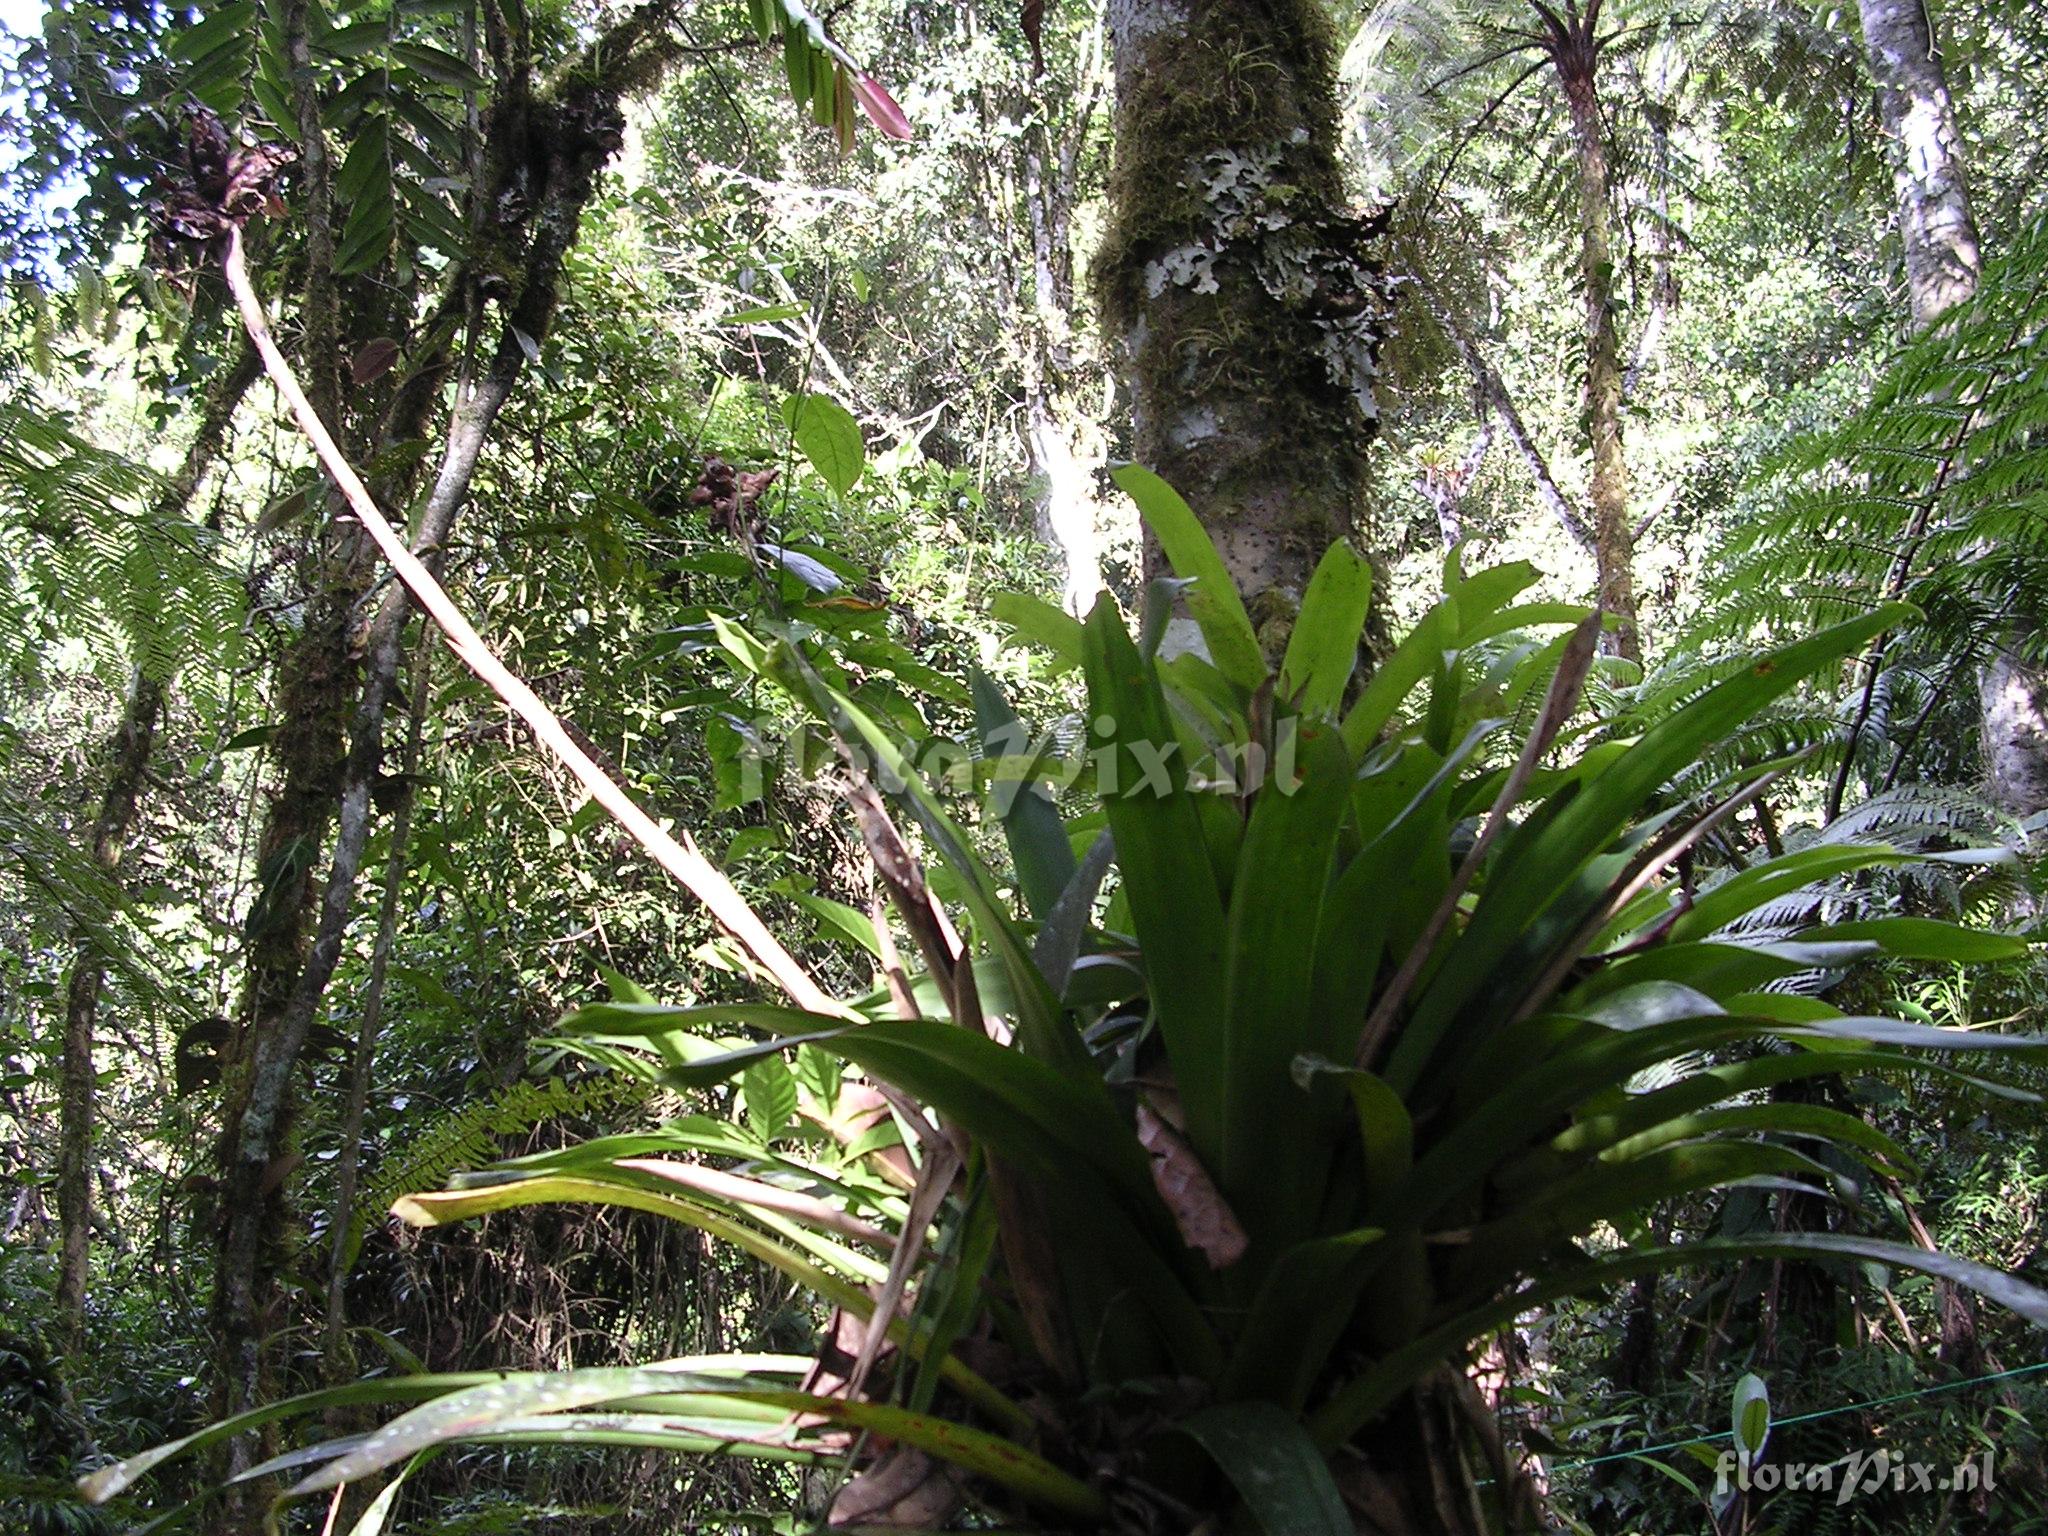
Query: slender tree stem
366 1032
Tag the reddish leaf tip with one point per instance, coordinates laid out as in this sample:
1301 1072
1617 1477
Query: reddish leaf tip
881 108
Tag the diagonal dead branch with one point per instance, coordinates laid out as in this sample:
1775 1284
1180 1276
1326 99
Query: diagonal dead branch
679 856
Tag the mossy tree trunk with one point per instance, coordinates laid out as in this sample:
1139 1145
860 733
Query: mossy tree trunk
1239 286
340 675
1573 44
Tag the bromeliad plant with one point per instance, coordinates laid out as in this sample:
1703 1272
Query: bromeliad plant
1179 1198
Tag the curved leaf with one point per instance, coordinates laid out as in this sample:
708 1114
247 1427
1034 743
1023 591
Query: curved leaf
1213 599
1322 652
1274 1466
1361 1401
829 437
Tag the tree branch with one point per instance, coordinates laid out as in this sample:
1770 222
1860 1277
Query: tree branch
1494 390
680 856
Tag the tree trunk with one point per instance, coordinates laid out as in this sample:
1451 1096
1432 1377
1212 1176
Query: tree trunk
1248 312
133 738
1066 510
1238 285
1943 262
78 1092
1066 507
1493 389
2014 703
1663 247
1576 56
337 1360
1940 236
1443 482
553 148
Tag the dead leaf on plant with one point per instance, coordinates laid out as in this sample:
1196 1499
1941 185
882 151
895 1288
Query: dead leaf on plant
1207 1223
905 1490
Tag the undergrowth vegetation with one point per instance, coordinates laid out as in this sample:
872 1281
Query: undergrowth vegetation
1356 1054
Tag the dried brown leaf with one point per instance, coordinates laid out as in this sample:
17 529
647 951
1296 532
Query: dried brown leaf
1207 1223
905 1490
373 360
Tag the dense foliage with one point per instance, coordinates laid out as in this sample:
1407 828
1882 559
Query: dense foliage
1378 1054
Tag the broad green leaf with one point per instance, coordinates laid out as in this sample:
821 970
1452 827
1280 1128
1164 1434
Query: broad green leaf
704 1434
1042 1029
1323 650
1924 938
1777 1119
829 437
1038 622
1363 1400
1301 1309
112 1481
764 314
1752 1416
378 1514
1521 1112
1690 1485
796 59
1057 948
1026 1110
1604 1123
1166 873
1746 890
1419 654
1495 1252
437 65
1213 599
1715 967
356 39
463 1413
950 1297
806 1254
1275 1467
840 920
768 1089
1275 1141
1538 872
1039 849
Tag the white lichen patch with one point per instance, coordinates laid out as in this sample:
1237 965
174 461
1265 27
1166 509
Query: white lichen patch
1192 267
1296 260
1192 427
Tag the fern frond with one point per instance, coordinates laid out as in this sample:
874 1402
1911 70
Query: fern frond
85 540
1934 491
471 1137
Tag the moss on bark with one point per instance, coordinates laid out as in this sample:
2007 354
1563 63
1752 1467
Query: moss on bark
1237 279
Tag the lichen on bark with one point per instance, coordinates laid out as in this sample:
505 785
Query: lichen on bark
1239 281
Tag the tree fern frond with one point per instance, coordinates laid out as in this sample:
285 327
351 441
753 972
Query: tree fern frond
1935 491
83 536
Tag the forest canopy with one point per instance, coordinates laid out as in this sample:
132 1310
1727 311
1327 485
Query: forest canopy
1123 766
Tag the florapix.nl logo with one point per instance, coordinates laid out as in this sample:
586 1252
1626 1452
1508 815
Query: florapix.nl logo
1858 1474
